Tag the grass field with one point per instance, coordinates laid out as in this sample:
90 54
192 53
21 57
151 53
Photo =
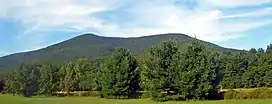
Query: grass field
8 99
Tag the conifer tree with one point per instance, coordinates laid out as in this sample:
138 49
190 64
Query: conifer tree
158 75
29 75
49 80
68 74
120 76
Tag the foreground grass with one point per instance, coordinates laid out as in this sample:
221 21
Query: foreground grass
9 99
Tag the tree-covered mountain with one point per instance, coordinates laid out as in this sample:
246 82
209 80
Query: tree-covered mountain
91 46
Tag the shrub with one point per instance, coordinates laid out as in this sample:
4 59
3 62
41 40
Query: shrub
81 93
262 93
94 94
145 95
164 97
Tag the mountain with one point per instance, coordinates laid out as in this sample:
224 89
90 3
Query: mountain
92 46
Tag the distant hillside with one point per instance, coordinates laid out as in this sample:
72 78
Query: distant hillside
92 46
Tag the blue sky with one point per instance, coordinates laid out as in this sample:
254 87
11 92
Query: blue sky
33 24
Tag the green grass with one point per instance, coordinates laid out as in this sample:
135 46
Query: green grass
9 99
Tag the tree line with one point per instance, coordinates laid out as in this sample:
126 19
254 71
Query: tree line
167 71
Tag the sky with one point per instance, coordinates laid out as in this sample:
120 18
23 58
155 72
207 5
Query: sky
27 25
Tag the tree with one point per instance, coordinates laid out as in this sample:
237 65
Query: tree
158 76
29 75
253 50
49 80
266 69
269 48
68 75
12 83
259 71
96 69
199 69
247 69
236 65
80 71
2 84
260 50
120 76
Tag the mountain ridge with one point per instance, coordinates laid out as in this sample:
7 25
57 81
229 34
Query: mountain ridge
92 46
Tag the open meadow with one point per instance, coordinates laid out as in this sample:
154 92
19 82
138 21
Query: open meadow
9 99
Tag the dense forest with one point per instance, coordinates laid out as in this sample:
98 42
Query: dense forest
167 71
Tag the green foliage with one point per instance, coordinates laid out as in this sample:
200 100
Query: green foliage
198 71
2 85
28 79
253 50
49 80
12 83
269 48
80 71
169 74
247 70
158 76
68 75
94 74
120 76
80 93
260 50
234 66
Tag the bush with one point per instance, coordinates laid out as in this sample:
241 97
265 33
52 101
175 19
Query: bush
160 97
145 95
254 94
170 98
94 94
81 93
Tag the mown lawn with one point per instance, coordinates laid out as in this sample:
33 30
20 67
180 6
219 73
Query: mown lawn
9 99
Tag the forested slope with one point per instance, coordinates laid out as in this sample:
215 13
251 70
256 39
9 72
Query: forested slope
92 46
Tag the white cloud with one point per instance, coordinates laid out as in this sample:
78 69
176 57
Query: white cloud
3 53
49 13
161 16
258 13
168 18
39 16
235 3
